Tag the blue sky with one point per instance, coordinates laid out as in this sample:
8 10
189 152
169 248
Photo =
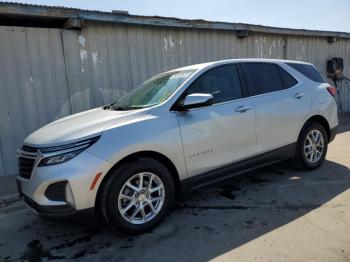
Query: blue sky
305 14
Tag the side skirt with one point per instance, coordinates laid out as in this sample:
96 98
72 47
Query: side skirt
244 166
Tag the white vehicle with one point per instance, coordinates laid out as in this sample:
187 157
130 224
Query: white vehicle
176 132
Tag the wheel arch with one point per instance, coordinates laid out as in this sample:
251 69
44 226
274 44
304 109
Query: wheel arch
321 120
150 154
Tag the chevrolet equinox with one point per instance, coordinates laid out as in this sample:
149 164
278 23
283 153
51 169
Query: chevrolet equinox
177 131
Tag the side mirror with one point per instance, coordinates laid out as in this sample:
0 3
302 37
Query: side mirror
197 100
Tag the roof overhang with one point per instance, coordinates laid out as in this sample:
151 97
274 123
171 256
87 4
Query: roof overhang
72 18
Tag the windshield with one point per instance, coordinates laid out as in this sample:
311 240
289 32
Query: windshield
153 91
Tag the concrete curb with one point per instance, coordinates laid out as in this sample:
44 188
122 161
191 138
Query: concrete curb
8 198
8 189
10 204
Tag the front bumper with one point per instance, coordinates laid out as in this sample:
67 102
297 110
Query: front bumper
61 210
56 212
77 175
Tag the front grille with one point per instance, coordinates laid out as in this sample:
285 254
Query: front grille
26 161
25 166
29 149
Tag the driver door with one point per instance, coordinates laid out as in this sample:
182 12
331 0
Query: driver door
220 134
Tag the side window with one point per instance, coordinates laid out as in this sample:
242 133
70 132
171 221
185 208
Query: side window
222 82
262 78
308 70
287 79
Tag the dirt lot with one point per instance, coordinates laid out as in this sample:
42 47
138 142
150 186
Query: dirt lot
274 214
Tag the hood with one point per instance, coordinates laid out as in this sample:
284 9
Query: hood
79 126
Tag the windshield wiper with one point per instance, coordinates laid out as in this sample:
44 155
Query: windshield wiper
107 107
125 108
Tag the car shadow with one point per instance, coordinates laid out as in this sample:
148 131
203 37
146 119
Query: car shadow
209 223
344 122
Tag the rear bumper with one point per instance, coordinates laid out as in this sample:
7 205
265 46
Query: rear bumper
332 134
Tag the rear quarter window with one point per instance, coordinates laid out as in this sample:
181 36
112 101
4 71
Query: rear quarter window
309 71
287 79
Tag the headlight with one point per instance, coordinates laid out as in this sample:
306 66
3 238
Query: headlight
60 154
57 159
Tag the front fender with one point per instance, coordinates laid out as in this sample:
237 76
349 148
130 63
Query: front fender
151 133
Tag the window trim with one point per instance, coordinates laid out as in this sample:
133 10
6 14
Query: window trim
184 93
277 91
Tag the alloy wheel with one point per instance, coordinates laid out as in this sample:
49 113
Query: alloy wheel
141 198
314 146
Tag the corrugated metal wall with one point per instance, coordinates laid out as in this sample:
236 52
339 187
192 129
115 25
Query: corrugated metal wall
317 51
46 74
33 86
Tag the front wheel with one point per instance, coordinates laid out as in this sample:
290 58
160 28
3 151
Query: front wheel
137 196
311 147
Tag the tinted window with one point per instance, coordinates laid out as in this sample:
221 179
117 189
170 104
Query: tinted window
262 78
308 71
287 79
222 82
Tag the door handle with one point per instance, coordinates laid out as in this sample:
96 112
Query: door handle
242 109
298 95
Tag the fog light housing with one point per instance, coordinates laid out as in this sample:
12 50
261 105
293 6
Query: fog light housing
69 196
56 191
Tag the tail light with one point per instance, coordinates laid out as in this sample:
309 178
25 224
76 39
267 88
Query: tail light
332 90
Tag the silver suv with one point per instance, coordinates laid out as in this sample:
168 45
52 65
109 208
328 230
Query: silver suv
177 131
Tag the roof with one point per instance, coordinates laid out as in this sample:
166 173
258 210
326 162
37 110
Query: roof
226 61
20 10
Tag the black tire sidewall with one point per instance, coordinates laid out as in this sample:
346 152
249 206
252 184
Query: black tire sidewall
115 183
301 155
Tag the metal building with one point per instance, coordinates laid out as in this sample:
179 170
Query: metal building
58 61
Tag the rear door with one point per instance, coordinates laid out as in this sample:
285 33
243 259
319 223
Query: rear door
281 104
218 135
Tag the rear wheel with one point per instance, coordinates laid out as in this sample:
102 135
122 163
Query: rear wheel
137 196
312 146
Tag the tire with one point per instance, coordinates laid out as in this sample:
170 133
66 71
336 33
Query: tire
303 157
112 203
